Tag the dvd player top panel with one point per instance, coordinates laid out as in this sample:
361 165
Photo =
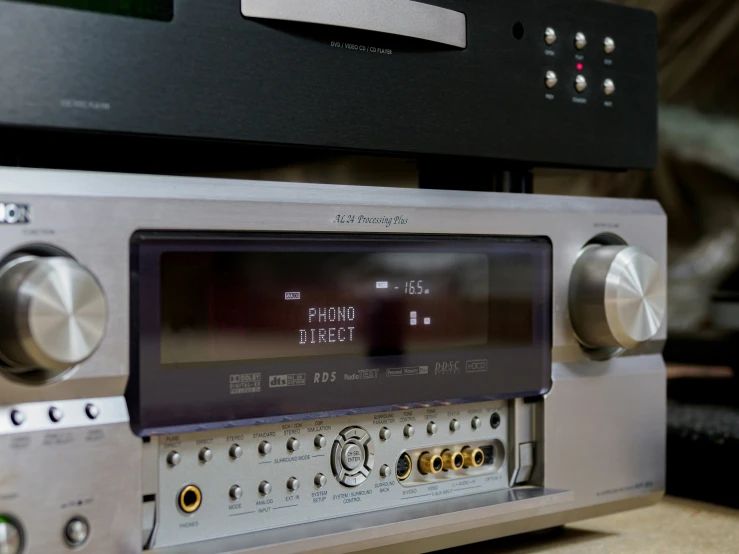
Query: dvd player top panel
545 83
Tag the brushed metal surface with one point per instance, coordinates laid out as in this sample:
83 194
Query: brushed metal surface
599 432
617 297
396 17
57 314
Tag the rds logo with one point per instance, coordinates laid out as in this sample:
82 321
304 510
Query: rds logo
324 377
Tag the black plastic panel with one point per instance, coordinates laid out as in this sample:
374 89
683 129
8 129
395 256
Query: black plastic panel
212 74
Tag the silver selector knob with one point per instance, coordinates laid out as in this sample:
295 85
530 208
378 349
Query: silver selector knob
617 297
56 313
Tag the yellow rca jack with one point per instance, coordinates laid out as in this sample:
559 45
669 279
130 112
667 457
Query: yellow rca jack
452 460
430 463
190 499
473 457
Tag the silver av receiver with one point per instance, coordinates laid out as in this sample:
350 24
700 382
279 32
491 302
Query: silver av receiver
210 366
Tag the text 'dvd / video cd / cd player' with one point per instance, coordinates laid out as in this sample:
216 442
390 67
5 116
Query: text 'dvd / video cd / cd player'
538 83
208 366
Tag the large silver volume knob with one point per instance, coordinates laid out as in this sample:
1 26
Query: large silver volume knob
617 297
53 313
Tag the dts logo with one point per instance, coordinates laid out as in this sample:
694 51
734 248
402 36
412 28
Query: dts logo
324 377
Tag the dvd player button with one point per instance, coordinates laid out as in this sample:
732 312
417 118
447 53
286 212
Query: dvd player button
409 431
92 411
454 425
385 471
293 484
55 414
319 441
235 492
580 41
264 448
17 417
581 83
354 433
609 45
11 539
293 444
352 456
550 36
432 428
320 480
76 531
385 434
476 423
550 79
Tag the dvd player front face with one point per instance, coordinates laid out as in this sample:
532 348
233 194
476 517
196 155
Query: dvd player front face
195 365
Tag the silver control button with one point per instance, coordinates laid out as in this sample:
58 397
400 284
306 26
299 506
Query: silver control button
385 471
409 431
320 441
580 83
550 79
352 456
320 480
476 422
92 411
609 87
385 434
235 492
17 417
293 484
10 537
205 455
293 444
76 531
264 448
432 428
55 414
173 458
550 36
580 41
235 451
609 45
454 425
264 488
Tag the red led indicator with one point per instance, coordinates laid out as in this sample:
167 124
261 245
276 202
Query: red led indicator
579 66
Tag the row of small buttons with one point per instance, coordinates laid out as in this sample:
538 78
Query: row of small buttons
581 41
432 428
581 83
56 414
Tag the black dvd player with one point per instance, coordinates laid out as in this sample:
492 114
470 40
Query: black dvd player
536 82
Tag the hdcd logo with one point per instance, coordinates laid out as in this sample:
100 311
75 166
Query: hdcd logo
14 213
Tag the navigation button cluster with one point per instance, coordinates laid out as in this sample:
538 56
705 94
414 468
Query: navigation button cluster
352 456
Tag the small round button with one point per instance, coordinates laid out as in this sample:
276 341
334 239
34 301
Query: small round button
352 456
293 484
76 531
454 425
409 431
55 414
92 411
320 480
235 451
609 87
11 540
320 441
432 428
580 83
205 455
293 444
17 417
385 471
235 492
476 423
608 45
580 40
264 488
550 36
173 458
550 79
385 434
264 448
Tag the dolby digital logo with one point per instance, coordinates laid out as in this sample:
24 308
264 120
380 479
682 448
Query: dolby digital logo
14 213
